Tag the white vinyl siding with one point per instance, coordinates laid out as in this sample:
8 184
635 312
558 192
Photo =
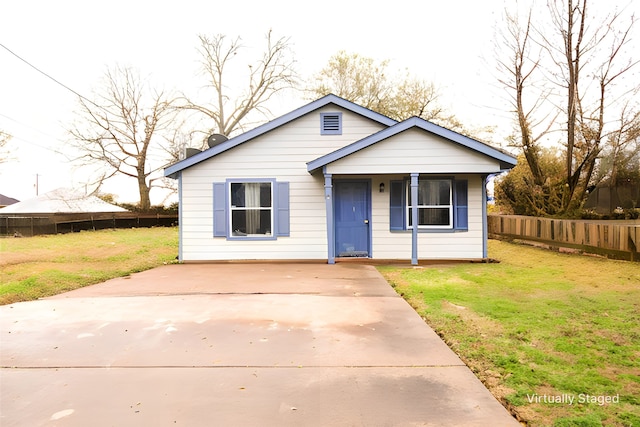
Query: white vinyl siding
414 151
330 123
281 154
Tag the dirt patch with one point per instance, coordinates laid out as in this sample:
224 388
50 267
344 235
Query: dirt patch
13 258
477 322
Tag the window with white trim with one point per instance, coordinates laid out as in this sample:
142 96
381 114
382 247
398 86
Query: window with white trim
251 209
435 204
442 205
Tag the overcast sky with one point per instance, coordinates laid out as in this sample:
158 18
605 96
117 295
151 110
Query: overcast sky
446 42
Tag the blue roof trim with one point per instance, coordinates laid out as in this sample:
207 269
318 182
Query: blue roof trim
172 170
507 161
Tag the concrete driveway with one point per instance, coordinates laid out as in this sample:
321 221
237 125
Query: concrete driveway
234 345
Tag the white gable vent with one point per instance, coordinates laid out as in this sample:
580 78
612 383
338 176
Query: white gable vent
331 123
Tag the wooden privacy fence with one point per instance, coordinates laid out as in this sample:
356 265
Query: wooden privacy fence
615 239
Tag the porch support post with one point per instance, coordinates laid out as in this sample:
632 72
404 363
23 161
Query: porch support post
328 199
485 226
180 211
414 218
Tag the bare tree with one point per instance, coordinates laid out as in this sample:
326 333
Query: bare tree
570 65
596 53
121 131
228 110
517 64
519 61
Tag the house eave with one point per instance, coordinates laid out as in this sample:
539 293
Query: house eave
506 161
172 170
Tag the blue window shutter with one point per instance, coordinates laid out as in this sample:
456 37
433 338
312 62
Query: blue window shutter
282 209
461 206
219 209
396 205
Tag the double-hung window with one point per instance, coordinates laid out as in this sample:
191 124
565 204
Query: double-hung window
442 204
255 209
435 204
251 210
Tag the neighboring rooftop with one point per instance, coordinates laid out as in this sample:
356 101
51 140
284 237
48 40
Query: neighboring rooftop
6 201
61 200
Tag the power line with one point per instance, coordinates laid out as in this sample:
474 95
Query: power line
47 75
53 150
16 137
30 127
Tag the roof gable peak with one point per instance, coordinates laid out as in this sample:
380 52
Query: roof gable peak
506 159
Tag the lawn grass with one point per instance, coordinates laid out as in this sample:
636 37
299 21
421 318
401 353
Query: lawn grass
540 324
40 266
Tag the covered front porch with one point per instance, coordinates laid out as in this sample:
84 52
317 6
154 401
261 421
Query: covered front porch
372 216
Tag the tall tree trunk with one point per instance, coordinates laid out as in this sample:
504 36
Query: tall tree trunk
572 95
144 190
573 56
529 145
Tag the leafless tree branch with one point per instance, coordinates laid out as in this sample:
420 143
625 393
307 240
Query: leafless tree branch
118 132
273 73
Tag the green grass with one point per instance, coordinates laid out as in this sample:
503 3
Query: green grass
539 323
41 266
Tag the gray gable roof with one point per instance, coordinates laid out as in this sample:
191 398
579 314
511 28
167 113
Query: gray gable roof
507 161
6 201
171 171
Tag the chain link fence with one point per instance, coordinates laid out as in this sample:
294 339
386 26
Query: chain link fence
27 226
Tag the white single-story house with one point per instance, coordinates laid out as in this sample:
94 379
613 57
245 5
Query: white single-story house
331 180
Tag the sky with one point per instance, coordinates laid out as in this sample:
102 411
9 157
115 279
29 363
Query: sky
74 41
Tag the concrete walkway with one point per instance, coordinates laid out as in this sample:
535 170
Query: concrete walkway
234 345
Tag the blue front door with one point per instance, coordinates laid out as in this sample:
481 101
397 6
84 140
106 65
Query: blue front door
352 211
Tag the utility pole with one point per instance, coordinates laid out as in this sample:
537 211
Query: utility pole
37 175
